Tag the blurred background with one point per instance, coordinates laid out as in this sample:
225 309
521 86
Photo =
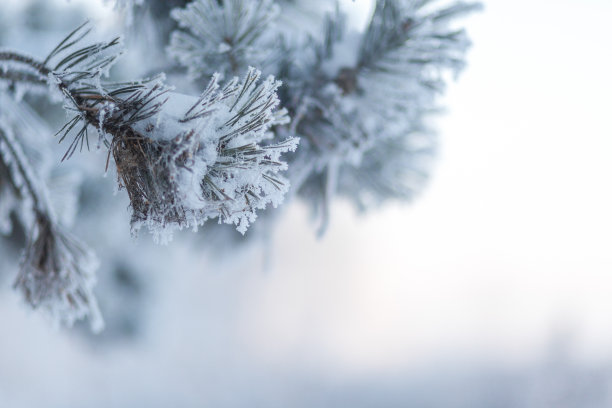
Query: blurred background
493 289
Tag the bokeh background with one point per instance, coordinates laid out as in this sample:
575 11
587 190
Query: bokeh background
493 289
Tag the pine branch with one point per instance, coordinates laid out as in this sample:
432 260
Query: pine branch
224 36
22 77
216 166
401 35
360 118
57 272
182 160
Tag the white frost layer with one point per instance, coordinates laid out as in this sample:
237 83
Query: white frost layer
215 158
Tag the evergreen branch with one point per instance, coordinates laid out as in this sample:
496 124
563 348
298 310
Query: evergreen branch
352 114
22 77
57 272
17 158
178 171
221 35
14 57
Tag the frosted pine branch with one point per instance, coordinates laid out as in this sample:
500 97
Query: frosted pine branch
207 158
57 275
223 36
351 94
57 271
181 159
360 104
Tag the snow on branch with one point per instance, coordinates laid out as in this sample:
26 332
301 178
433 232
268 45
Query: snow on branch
360 101
223 36
412 38
57 272
211 159
181 159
